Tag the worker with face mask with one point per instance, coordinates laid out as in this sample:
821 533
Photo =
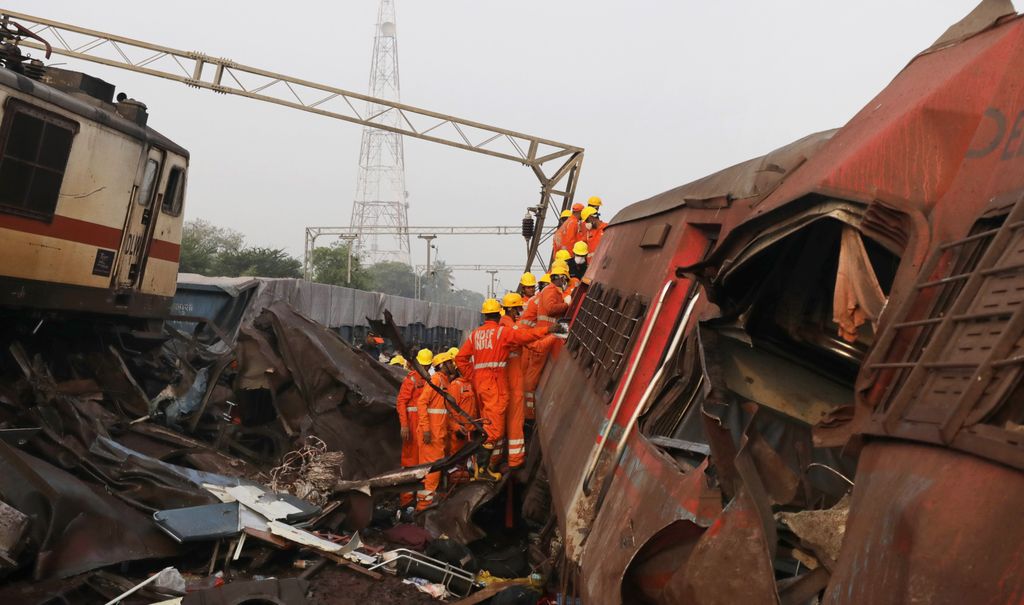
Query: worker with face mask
580 256
592 228
484 358
406 405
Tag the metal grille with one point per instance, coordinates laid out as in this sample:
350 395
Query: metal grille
953 353
602 332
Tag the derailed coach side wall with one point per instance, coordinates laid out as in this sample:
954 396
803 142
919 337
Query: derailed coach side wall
648 492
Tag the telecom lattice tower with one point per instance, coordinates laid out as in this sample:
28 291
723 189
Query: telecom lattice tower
380 192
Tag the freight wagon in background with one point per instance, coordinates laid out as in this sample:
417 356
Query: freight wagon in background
835 328
91 198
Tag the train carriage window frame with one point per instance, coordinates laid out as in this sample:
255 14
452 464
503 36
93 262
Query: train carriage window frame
23 162
174 192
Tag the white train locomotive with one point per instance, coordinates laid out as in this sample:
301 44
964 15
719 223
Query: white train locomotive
91 198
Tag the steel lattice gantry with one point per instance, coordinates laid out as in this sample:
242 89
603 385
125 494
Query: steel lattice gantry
556 165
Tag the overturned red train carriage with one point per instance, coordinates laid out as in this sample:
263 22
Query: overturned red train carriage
814 385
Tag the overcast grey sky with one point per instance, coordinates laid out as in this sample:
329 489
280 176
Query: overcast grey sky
659 93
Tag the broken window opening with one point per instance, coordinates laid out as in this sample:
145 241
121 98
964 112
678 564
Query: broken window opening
602 333
35 145
174 192
776 343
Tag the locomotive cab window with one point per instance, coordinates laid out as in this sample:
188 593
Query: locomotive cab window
175 191
34 149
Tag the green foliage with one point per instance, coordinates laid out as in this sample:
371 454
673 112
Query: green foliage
218 251
330 266
391 277
202 243
258 262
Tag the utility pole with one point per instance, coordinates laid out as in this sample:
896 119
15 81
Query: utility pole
349 242
429 239
492 293
381 198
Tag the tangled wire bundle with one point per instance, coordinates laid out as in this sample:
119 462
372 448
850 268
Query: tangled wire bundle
308 472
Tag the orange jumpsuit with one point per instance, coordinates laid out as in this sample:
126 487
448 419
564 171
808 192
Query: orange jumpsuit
459 429
593 236
544 310
433 418
566 235
515 413
405 405
484 358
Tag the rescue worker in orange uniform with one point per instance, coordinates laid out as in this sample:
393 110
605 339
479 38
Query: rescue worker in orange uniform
406 404
433 426
484 358
527 286
459 428
549 308
569 231
515 413
591 228
556 239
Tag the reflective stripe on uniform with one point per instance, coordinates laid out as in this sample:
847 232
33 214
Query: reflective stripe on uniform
547 318
490 364
515 450
528 323
530 398
516 441
437 411
412 409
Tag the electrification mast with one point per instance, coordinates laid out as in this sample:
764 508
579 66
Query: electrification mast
380 200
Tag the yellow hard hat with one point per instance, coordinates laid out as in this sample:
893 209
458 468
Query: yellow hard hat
425 356
454 351
442 357
397 360
560 267
594 201
588 212
546 278
512 299
528 279
562 255
580 249
491 305
565 214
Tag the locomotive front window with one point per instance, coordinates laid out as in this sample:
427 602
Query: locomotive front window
175 191
35 148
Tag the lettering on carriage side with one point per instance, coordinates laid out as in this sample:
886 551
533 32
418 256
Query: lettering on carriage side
1005 135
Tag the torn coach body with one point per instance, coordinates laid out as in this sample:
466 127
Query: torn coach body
832 327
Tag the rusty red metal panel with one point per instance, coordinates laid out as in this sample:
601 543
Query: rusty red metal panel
930 525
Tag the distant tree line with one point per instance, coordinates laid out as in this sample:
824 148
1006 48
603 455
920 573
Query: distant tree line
218 251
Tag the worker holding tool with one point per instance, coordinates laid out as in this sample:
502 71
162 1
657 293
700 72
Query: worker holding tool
433 426
408 412
484 358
